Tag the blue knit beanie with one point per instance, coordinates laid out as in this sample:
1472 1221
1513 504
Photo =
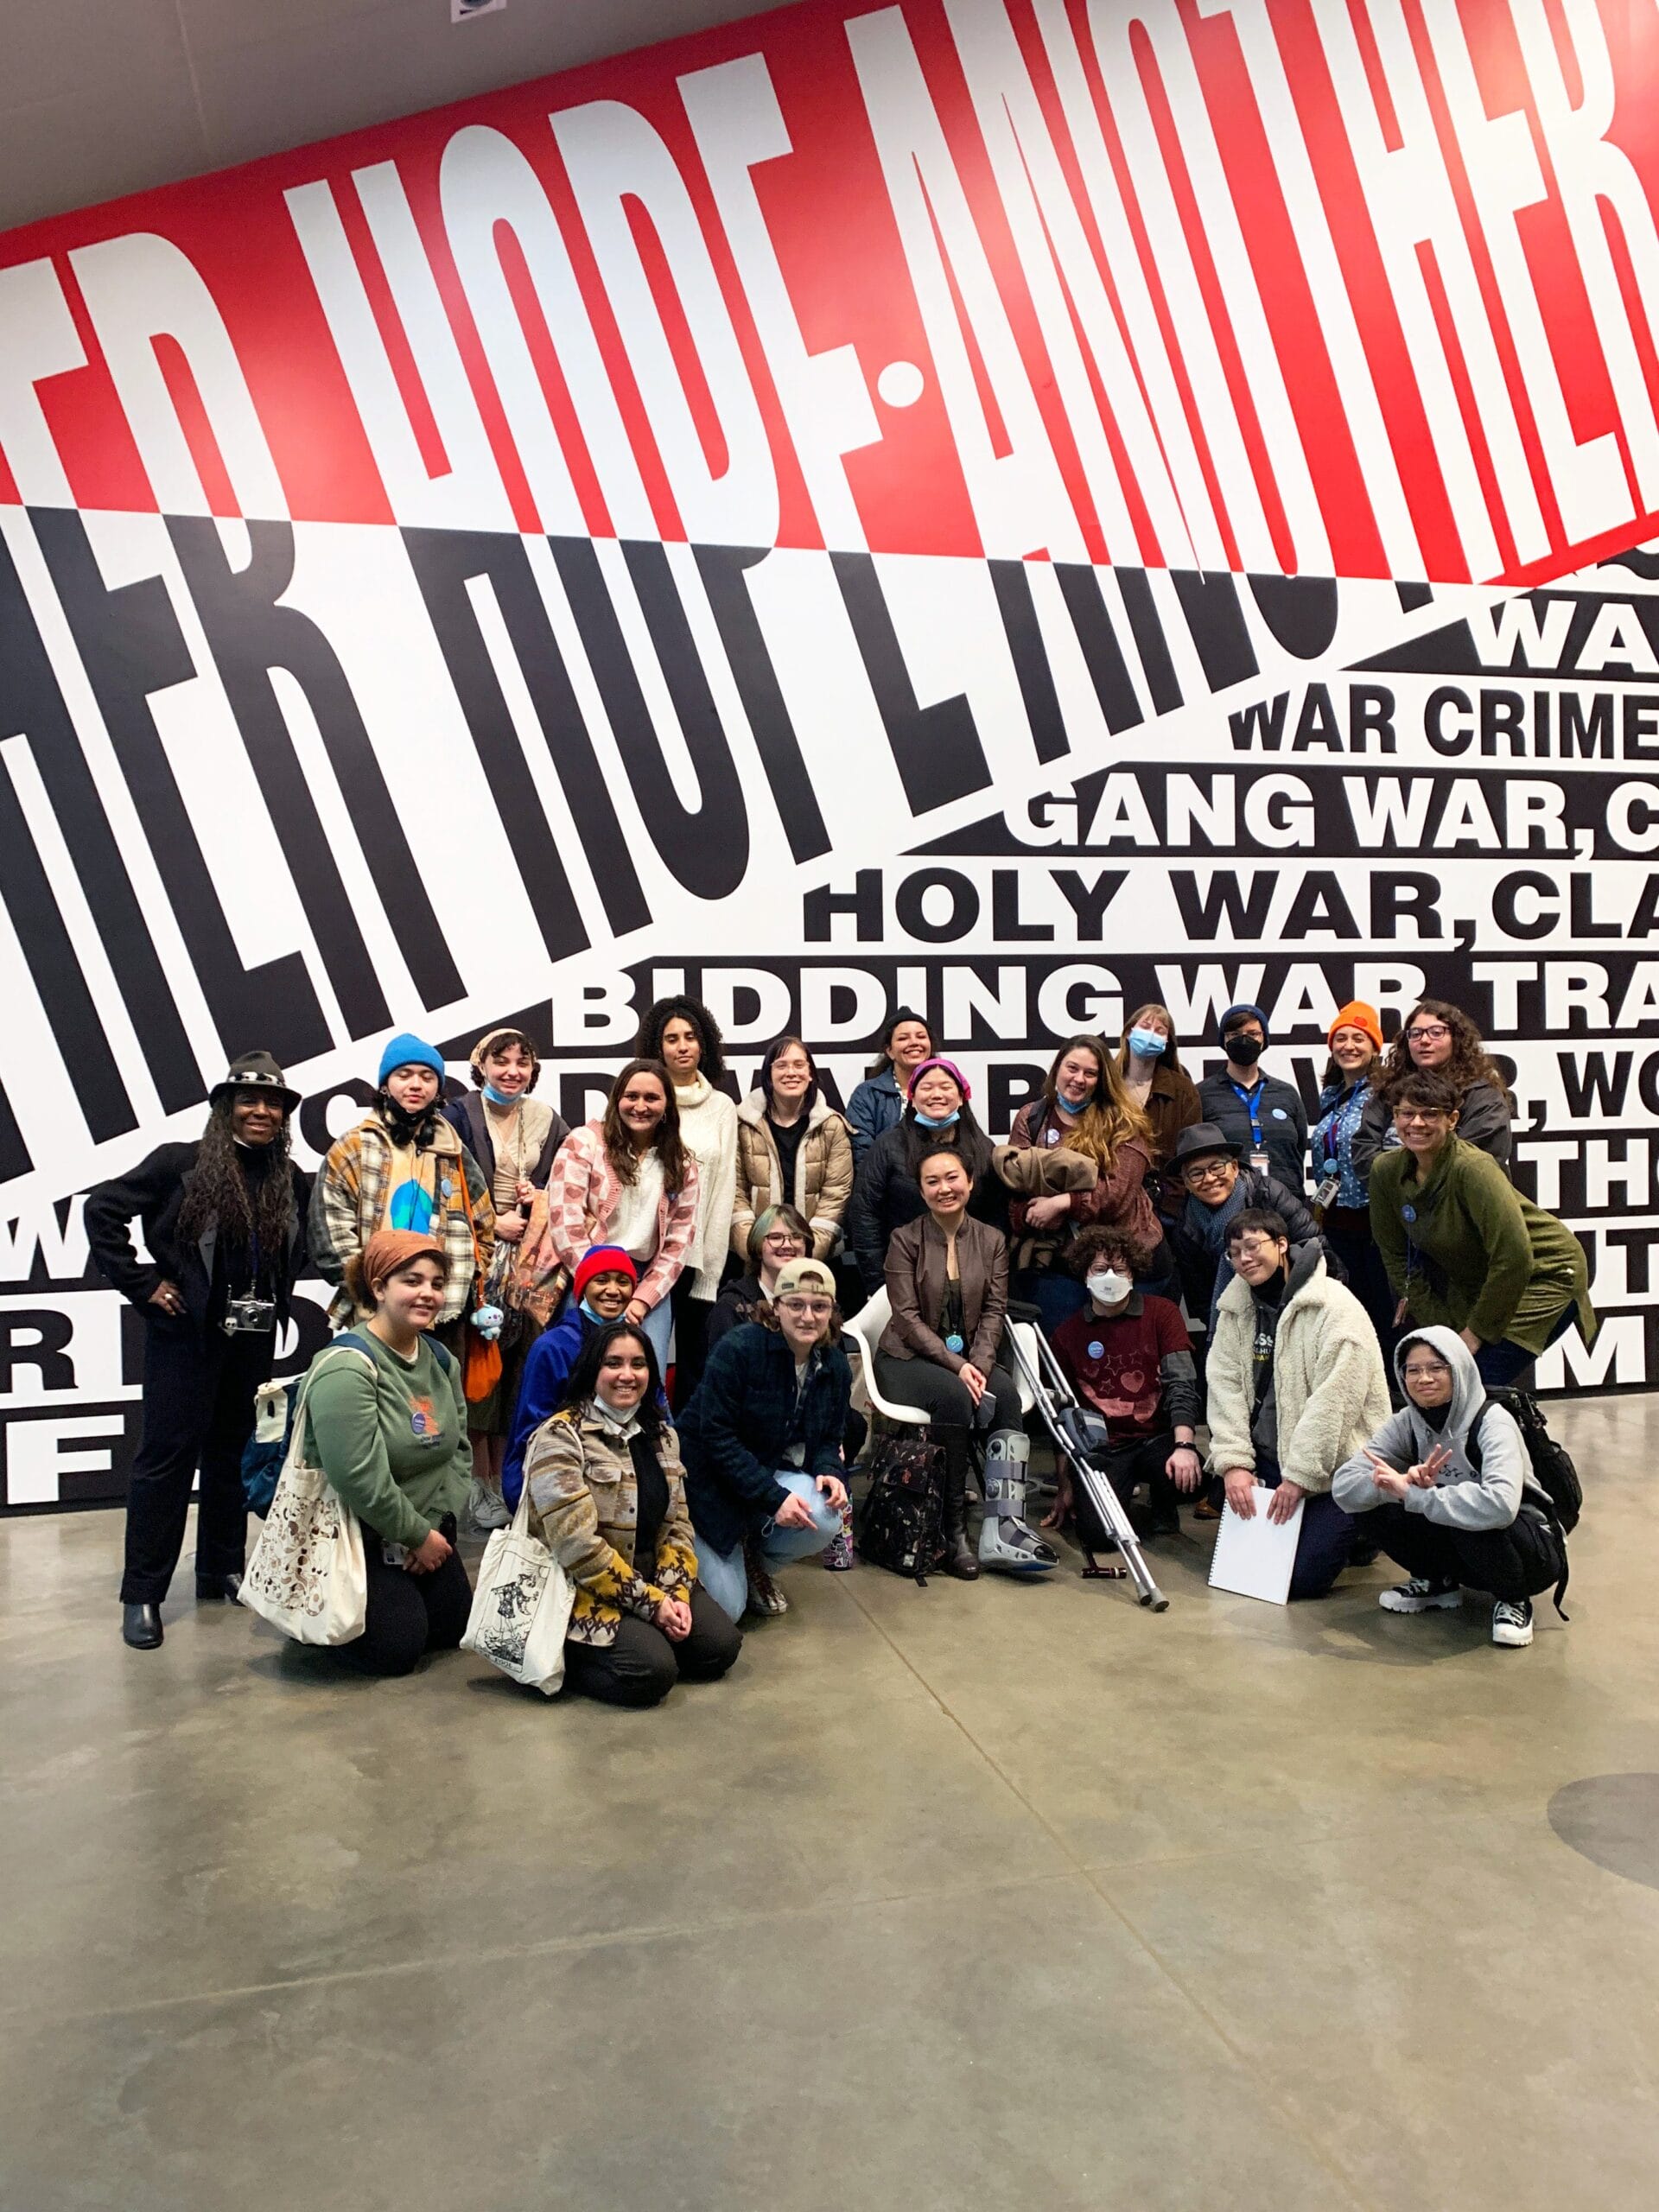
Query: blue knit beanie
1246 1008
409 1051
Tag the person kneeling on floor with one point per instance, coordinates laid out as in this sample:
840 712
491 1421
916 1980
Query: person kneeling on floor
763 1442
1128 1356
1446 1489
1296 1387
607 1498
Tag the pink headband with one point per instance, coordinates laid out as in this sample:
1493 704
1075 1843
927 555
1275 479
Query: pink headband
950 1069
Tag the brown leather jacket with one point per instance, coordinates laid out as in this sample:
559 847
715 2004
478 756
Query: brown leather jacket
916 1281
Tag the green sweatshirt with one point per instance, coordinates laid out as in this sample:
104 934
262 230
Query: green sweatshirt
1508 1266
391 1438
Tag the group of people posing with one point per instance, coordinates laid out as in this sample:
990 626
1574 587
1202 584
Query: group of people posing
631 1330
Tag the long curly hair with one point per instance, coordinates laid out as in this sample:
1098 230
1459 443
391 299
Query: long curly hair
1108 1121
248 1210
619 1145
649 1043
1470 1063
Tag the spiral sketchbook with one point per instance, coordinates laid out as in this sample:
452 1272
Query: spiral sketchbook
1255 1559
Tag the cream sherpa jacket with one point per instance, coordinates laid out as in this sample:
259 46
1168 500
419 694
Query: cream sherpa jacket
1329 1391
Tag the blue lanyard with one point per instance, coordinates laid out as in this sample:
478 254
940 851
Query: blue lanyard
1247 1099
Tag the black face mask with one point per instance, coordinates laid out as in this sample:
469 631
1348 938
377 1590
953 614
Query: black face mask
1243 1051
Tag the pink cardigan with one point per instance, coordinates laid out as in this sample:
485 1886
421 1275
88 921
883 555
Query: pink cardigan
577 1209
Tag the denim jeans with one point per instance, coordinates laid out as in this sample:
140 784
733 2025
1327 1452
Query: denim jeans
724 1574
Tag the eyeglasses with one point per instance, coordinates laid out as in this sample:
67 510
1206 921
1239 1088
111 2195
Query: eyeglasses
1252 1030
1427 1370
807 1309
1208 1171
1429 1033
1253 1248
1408 1116
782 1240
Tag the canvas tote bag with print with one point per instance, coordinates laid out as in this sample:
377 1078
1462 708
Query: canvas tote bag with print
306 1575
521 1607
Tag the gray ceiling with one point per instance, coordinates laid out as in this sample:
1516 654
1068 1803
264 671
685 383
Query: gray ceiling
102 97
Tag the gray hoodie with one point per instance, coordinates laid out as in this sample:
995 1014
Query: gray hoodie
1463 1497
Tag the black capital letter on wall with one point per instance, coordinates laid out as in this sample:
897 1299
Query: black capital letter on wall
248 635
131 646
31 701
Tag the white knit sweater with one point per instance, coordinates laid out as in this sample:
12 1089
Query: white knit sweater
708 1131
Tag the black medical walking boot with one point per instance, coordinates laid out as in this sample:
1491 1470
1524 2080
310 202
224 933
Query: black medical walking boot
141 1626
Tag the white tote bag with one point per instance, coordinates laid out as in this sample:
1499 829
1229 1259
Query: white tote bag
521 1607
306 1574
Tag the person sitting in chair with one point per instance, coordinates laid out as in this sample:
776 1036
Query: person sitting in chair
1296 1387
947 1278
1128 1356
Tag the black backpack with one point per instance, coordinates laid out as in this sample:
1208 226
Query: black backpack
1552 1463
902 1525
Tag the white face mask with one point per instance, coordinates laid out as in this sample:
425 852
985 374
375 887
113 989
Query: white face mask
1109 1288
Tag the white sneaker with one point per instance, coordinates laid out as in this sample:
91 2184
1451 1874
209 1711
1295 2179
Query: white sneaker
1512 1624
486 1508
1421 1595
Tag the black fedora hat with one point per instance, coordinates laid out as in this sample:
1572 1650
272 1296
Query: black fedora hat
1202 1140
256 1071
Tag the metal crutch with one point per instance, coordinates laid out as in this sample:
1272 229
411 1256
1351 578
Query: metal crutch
1076 1430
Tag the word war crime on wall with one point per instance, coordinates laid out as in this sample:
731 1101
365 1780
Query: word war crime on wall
1013 507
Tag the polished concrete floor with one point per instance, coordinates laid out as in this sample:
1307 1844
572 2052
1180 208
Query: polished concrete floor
968 1898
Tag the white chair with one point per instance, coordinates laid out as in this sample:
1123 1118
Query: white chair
865 1331
862 1331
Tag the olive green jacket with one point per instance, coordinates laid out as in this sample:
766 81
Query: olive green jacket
1465 1249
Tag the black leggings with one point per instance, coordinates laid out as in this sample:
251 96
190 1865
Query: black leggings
409 1615
943 1396
1513 1563
642 1666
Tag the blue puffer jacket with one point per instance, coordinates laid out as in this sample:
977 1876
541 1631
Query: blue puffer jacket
541 1392
746 1413
876 1107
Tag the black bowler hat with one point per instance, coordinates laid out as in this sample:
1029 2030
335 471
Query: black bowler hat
1203 1141
256 1071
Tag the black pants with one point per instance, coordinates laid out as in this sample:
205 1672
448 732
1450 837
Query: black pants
643 1665
409 1615
1348 1232
1515 1562
1125 1466
946 1401
1327 1543
198 1394
690 1336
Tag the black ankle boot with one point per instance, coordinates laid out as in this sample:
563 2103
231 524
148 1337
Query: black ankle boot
211 1586
141 1626
960 1558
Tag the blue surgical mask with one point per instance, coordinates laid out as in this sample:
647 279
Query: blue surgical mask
943 1121
599 1319
502 1097
1148 1044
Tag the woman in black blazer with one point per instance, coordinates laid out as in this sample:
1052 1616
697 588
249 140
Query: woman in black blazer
224 1224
